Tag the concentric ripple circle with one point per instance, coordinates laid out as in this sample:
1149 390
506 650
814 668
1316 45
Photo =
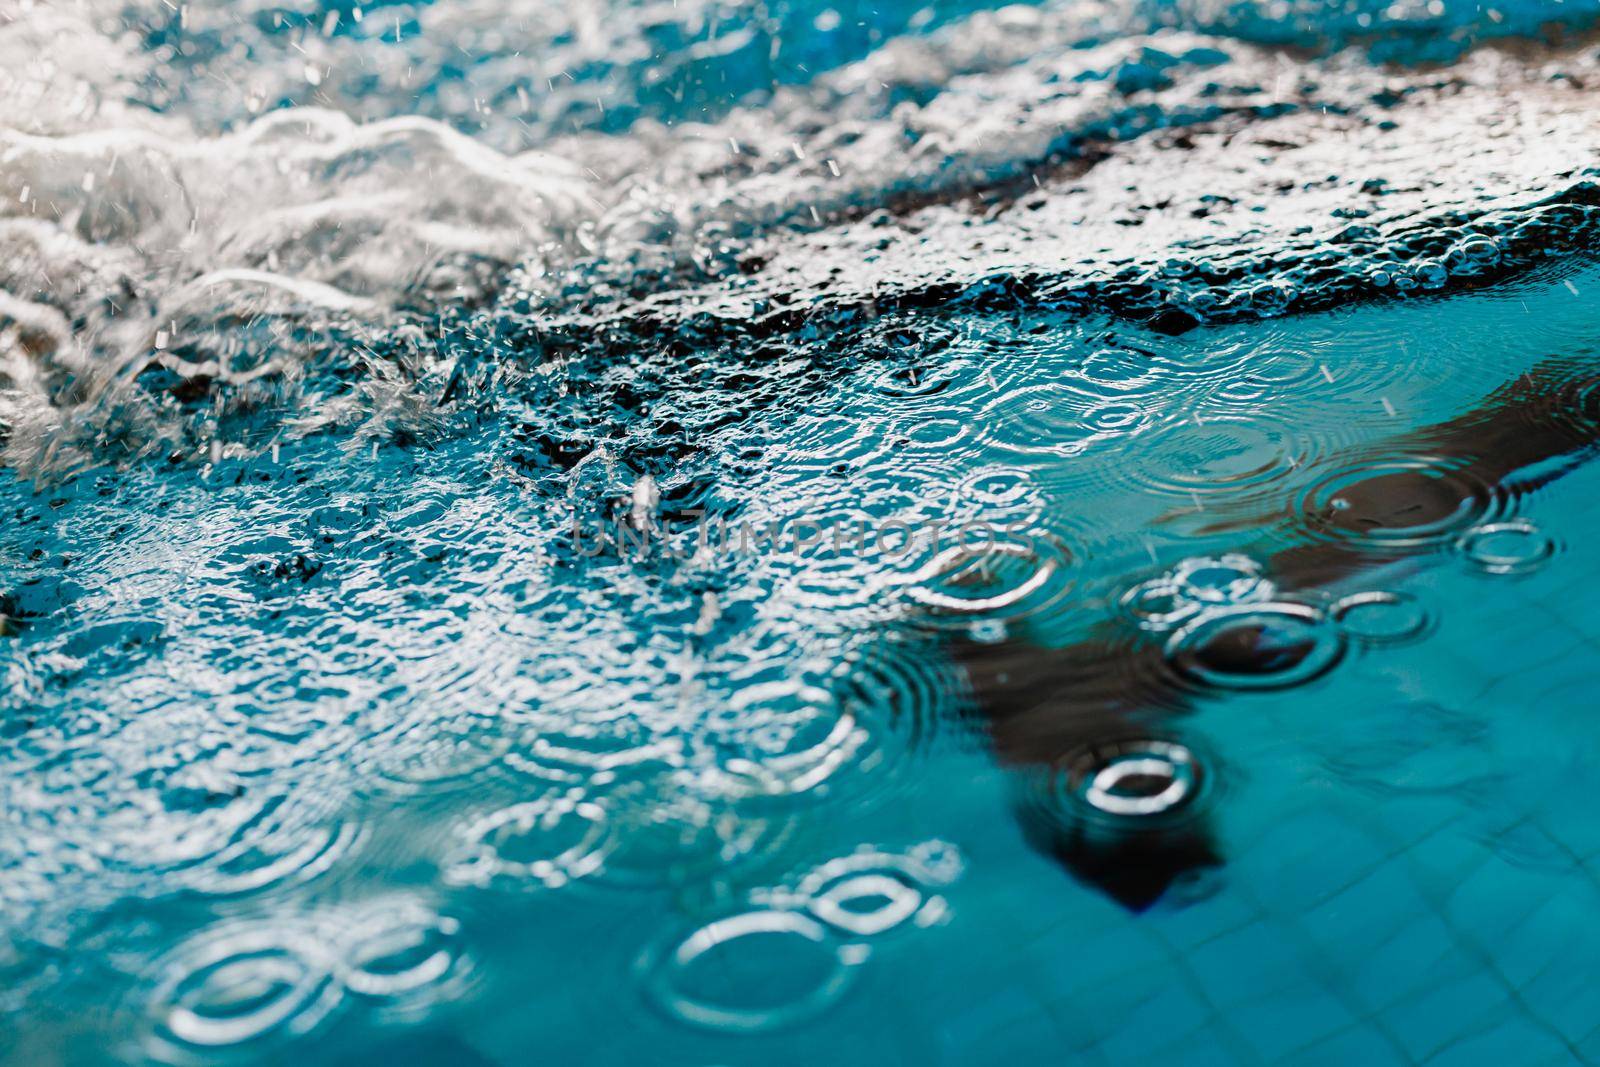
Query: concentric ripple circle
867 904
403 956
1222 454
1513 547
909 384
1381 617
546 842
1192 586
795 737
436 753
905 695
1129 784
1257 646
998 493
872 892
677 828
1142 779
1398 503
1004 577
238 989
1055 419
753 972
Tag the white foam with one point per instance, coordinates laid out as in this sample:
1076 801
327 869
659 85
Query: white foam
131 238
129 231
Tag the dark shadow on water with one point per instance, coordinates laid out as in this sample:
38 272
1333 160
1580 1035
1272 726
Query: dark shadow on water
1132 822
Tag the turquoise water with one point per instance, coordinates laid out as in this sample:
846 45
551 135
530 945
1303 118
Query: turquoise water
831 532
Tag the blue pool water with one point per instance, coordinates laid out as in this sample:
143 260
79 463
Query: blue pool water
719 533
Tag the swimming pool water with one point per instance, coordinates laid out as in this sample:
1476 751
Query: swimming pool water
881 343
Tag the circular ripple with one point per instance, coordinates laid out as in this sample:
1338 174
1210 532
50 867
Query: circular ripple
790 736
546 842
872 892
1158 604
1381 617
276 856
1222 454
243 989
1124 371
1266 375
252 842
1227 579
569 753
1003 577
1256 646
941 432
911 384
404 956
1128 784
679 827
1055 419
1398 503
867 904
1195 584
1142 779
753 972
998 486
904 691
437 753
1513 547
832 444
1572 405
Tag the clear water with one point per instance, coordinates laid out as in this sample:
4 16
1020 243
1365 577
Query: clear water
1050 347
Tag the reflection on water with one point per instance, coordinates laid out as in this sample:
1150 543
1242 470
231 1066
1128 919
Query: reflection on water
1153 442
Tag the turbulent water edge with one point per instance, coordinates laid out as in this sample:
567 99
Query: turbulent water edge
1105 171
